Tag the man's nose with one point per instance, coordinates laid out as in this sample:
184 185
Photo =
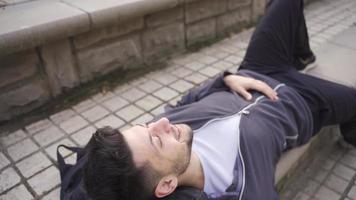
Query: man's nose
162 125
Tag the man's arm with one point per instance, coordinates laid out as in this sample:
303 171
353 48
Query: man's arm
228 81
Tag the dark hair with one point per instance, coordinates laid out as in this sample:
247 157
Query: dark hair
110 172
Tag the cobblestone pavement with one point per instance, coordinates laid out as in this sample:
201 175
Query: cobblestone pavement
28 167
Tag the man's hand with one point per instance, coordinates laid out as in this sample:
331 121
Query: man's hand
241 85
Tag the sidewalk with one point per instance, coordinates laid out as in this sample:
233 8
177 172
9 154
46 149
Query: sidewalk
28 162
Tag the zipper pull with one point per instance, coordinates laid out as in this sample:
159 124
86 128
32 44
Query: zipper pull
246 112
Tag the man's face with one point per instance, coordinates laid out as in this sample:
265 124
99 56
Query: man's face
165 146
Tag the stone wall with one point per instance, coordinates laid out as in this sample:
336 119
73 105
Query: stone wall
36 75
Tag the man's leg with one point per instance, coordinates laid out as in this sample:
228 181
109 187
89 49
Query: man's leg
280 36
330 103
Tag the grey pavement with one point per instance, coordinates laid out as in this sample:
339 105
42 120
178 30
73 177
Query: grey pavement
28 168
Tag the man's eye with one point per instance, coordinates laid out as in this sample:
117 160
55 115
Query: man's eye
158 141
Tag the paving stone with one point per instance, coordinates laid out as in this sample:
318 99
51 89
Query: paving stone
18 193
122 88
130 112
343 172
165 94
111 121
310 187
196 78
8 179
182 60
148 103
195 66
158 110
301 196
174 101
33 164
328 164
22 149
218 54
181 86
320 175
71 160
352 192
349 161
143 119
84 105
324 193
12 138
52 150
149 86
54 195
124 128
133 94
83 136
164 78
3 161
138 81
233 59
100 97
73 124
48 135
38 126
335 183
222 65
206 59
95 113
181 72
210 71
45 181
62 116
115 103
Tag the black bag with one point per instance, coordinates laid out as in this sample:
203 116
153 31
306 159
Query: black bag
72 186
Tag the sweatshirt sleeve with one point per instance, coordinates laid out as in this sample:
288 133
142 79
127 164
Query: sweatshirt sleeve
197 93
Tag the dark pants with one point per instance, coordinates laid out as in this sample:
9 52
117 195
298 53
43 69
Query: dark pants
280 38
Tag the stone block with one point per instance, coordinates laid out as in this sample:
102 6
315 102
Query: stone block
83 136
95 113
108 56
45 181
18 66
18 193
22 149
33 164
159 42
8 178
54 195
48 136
3 161
130 112
59 66
111 121
148 103
12 138
24 26
73 124
204 9
181 86
234 4
166 94
102 34
201 31
258 9
164 17
233 21
115 103
22 99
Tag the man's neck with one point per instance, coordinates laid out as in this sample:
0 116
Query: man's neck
194 175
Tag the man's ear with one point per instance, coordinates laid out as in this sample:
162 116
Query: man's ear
166 186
